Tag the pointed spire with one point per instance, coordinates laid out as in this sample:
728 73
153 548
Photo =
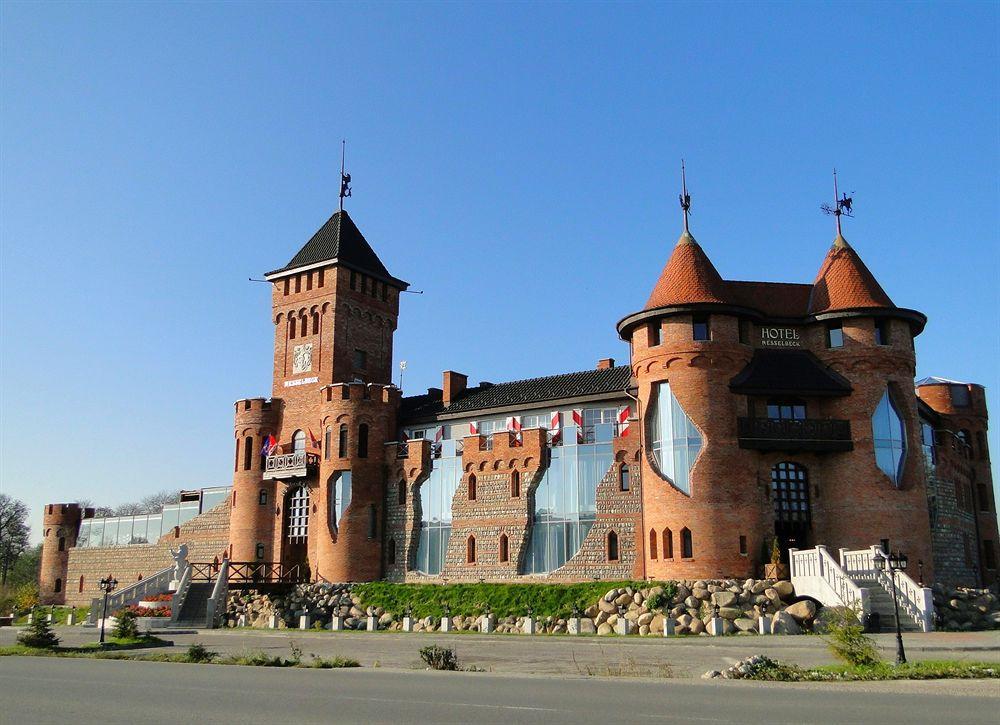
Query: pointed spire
844 282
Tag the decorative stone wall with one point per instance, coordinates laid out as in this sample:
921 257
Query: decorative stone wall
402 520
206 535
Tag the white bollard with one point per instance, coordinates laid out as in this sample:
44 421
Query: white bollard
668 626
305 621
71 618
623 626
445 624
529 625
241 621
407 624
372 623
715 627
764 625
272 622
48 617
336 623
486 624
31 617
573 625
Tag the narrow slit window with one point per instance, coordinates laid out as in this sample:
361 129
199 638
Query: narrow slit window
612 546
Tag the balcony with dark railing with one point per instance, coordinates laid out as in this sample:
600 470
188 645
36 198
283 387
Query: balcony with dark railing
807 434
290 465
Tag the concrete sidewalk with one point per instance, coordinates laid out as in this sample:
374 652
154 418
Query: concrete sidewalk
558 655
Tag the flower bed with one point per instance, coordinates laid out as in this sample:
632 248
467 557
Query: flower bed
143 609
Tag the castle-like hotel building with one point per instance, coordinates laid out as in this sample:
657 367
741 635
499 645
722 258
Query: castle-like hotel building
748 411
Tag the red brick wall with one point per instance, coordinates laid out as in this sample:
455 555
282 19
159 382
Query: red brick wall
59 521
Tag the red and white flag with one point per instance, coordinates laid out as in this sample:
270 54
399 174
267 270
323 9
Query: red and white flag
313 441
473 427
623 424
578 422
514 426
555 427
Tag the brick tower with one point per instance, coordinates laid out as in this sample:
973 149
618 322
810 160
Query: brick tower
317 499
60 526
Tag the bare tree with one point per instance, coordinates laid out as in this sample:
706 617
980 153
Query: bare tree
13 533
154 503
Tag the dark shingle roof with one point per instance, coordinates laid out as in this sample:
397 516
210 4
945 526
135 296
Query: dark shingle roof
341 239
520 392
788 372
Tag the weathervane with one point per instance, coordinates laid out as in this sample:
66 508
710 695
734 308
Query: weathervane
345 179
842 205
684 197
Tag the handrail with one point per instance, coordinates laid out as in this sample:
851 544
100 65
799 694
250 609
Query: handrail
154 584
180 594
815 573
219 594
916 601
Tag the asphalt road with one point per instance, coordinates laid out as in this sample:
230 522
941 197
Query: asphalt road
54 690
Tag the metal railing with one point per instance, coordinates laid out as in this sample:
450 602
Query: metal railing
808 434
250 572
289 465
157 583
916 601
815 573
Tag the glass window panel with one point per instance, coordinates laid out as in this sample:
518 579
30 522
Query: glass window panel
83 538
110 532
889 436
170 517
97 532
140 525
124 537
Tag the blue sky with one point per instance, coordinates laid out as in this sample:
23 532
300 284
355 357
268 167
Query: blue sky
517 162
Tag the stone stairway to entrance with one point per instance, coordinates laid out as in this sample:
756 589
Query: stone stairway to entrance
194 609
880 603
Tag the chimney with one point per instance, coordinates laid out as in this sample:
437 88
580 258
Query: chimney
454 383
605 363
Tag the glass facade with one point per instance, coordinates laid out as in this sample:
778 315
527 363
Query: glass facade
889 434
927 443
436 494
566 500
673 438
147 528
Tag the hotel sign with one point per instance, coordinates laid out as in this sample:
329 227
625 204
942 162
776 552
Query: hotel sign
779 337
300 381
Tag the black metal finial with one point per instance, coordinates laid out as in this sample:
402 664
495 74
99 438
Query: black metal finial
842 206
345 178
684 197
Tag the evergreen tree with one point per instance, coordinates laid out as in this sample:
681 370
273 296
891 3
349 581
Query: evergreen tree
39 633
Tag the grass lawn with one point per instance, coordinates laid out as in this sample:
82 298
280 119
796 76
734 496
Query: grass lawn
59 614
924 670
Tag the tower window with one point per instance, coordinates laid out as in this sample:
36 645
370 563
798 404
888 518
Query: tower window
470 550
287 289
743 546
319 281
299 442
58 586
699 328
62 543
248 453
834 335
472 487
363 440
342 442
262 497
315 323
392 551
259 552
385 292
309 281
984 497
401 493
652 543
360 360
372 521
668 544
654 334
515 484
504 549
687 544
291 328
298 283
623 478
327 442
354 280
612 546
881 332
81 585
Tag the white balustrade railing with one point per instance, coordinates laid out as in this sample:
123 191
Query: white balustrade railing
815 573
180 594
220 592
157 583
914 600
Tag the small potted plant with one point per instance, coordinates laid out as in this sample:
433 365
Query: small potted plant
776 569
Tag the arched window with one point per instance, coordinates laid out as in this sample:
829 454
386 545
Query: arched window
236 462
327 442
363 440
315 324
392 551
262 497
342 441
472 487
248 453
62 543
234 499
470 550
966 440
372 521
612 546
297 510
401 493
291 328
299 442
81 585
58 586
504 549
675 440
515 484
623 479
889 434
668 544
259 551
652 543
687 544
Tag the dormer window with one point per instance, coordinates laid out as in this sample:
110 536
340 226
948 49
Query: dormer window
699 328
881 332
834 335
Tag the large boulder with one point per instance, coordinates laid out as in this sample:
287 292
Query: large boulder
696 626
605 629
724 598
729 613
784 623
784 588
744 624
803 611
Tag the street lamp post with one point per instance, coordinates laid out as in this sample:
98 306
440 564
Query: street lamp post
108 585
894 562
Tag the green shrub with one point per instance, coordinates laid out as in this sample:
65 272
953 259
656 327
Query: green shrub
333 662
662 599
39 634
847 640
256 658
199 653
126 626
439 658
26 596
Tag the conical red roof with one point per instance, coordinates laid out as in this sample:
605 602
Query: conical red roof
687 278
844 282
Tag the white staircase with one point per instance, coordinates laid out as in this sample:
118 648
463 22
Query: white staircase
854 581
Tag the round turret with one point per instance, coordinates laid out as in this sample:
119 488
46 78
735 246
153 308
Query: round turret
60 527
